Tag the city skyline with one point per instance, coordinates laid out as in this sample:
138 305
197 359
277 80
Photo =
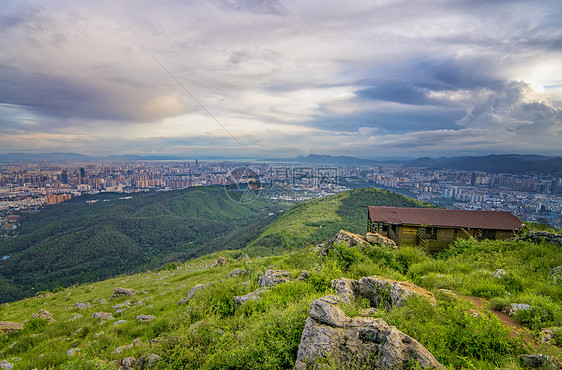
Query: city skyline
255 79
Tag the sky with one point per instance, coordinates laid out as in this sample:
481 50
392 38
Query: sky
262 79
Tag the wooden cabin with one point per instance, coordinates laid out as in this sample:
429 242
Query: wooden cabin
434 228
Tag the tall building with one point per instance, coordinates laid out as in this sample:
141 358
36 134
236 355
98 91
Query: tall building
64 176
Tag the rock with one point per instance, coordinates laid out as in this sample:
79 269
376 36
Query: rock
513 308
136 342
303 276
128 362
236 273
499 273
72 351
243 257
192 292
345 288
120 292
448 292
8 327
103 316
538 236
75 317
390 293
120 306
539 361
119 322
221 261
556 274
148 361
549 335
376 238
274 277
6 365
97 335
368 312
360 342
255 295
350 239
82 305
43 314
145 318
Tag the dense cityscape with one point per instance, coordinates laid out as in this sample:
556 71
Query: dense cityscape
29 186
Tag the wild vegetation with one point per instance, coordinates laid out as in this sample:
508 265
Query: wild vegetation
213 332
75 242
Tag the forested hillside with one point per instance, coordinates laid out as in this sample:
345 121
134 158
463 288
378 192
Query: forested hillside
317 220
75 242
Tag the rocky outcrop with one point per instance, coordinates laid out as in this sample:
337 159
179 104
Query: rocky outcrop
237 272
254 296
243 257
345 288
6 365
145 318
192 292
43 314
274 277
549 336
8 327
390 293
513 308
221 261
538 236
82 305
376 238
103 316
356 342
556 275
539 361
120 292
120 349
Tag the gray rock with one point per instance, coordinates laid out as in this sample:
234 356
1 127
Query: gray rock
274 277
513 308
538 236
539 361
345 288
119 322
120 292
128 362
236 273
103 316
303 276
221 261
556 274
81 305
75 317
43 314
72 351
243 257
120 306
6 365
255 295
148 361
390 293
548 335
145 318
499 273
376 238
192 292
360 342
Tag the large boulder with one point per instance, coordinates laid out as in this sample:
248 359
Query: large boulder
8 327
345 288
274 277
376 238
390 293
360 342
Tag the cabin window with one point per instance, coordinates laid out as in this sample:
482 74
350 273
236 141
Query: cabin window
427 233
482 234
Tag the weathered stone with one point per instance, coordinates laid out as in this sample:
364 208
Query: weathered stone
120 306
274 277
145 318
538 236
120 349
192 292
119 322
513 308
376 238
81 305
236 273
499 273
103 316
120 292
549 335
128 362
539 361
556 274
72 351
255 295
43 314
356 342
148 361
390 293
303 275
221 261
6 365
8 327
345 288
243 257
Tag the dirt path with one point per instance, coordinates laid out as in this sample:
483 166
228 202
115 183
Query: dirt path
515 329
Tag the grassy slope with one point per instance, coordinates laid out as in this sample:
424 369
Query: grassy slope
317 220
73 242
214 333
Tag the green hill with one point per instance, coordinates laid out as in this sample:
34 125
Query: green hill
75 242
317 220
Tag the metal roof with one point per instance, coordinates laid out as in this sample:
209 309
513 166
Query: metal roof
494 220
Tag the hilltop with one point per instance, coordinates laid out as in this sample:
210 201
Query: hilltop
75 242
212 327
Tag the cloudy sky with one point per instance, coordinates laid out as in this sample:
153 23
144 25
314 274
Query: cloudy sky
281 78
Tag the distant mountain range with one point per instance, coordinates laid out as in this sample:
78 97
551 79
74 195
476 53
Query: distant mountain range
503 163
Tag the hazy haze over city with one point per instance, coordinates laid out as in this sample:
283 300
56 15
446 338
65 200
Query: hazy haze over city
420 78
